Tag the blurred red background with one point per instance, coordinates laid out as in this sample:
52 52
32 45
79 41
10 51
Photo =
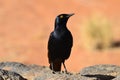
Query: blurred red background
25 26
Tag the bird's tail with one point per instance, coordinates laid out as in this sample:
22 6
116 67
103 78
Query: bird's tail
56 65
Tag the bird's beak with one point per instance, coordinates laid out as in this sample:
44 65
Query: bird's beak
69 15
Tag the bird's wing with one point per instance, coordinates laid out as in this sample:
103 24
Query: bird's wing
51 46
54 64
68 44
50 41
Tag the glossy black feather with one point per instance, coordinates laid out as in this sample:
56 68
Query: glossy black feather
60 43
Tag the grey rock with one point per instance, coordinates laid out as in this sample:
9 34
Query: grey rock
8 75
100 69
117 78
61 76
18 71
15 67
101 72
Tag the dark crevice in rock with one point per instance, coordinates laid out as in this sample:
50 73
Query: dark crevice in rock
100 76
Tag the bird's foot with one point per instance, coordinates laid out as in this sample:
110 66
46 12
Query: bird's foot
65 72
56 72
53 72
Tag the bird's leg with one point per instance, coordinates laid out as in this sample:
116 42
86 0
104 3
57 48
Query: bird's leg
52 68
51 65
64 67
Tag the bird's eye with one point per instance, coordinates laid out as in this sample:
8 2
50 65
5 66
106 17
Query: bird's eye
61 16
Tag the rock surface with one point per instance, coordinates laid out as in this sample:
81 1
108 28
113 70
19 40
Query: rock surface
9 75
18 71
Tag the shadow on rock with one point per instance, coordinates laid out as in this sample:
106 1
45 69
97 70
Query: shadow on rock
101 77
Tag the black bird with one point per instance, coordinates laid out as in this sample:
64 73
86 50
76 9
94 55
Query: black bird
60 43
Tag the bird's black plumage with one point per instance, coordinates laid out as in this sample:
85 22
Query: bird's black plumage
60 43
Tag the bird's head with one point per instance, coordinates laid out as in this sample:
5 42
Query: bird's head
62 19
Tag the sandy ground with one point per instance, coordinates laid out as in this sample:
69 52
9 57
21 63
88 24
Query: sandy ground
25 26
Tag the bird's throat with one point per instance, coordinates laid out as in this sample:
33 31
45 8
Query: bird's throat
58 33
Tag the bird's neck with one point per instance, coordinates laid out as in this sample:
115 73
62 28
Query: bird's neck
60 26
59 31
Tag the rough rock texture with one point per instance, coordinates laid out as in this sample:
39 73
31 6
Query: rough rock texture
101 72
9 75
18 71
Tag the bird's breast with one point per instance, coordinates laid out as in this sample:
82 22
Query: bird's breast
58 35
